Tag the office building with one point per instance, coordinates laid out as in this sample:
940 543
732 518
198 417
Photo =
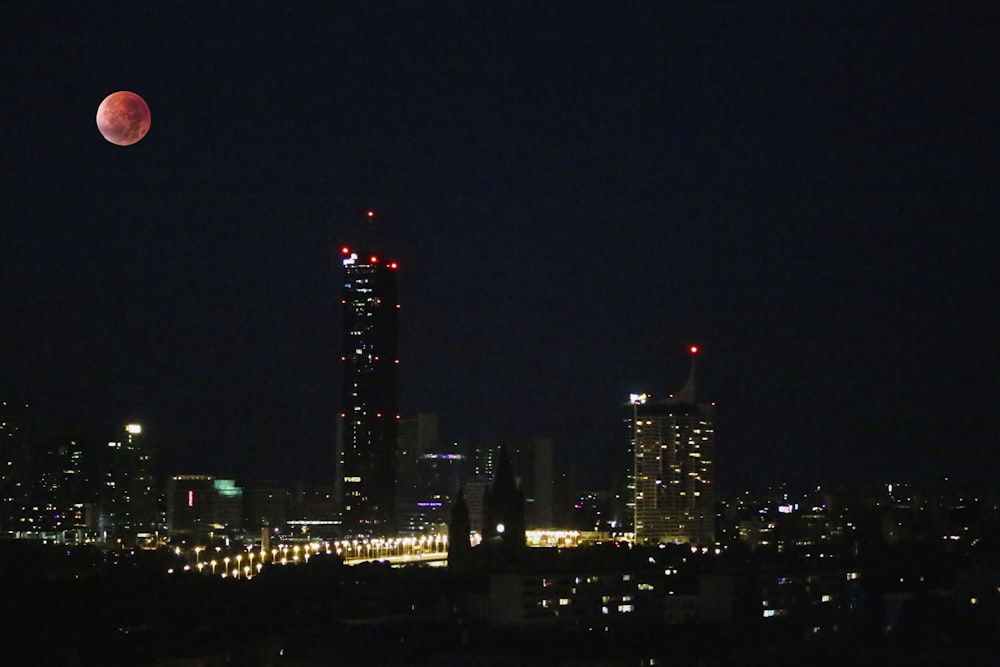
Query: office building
203 508
367 430
670 448
427 475
131 513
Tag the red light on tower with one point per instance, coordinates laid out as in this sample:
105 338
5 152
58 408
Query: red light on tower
393 265
345 250
371 213
694 349
374 259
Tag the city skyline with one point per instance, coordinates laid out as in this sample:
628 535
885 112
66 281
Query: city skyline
575 195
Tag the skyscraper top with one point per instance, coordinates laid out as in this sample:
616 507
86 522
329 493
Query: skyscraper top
350 257
686 394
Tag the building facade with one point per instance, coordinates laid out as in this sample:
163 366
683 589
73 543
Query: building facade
367 430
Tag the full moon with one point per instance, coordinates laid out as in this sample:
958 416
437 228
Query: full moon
123 118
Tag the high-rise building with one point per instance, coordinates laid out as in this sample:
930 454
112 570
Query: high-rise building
671 453
533 458
366 447
427 475
15 465
47 488
62 499
130 502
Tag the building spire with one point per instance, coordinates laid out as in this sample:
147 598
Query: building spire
687 394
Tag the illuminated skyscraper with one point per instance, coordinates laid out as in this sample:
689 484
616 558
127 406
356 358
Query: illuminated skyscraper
671 448
130 511
366 443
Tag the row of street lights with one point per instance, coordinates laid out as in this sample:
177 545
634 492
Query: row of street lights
401 548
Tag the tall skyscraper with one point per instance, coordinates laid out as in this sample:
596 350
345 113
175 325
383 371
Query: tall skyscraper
671 453
366 447
130 511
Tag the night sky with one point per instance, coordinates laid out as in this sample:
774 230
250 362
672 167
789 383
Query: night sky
575 192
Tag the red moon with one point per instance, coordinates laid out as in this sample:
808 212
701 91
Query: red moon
123 118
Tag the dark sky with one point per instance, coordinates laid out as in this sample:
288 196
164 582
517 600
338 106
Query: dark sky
575 191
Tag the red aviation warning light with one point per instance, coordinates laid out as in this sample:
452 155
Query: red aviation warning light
344 250
693 349
371 213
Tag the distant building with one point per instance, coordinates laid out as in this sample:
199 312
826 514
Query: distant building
366 448
15 465
203 508
592 512
265 502
426 476
130 499
532 460
46 481
671 459
62 503
475 490
481 467
425 505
